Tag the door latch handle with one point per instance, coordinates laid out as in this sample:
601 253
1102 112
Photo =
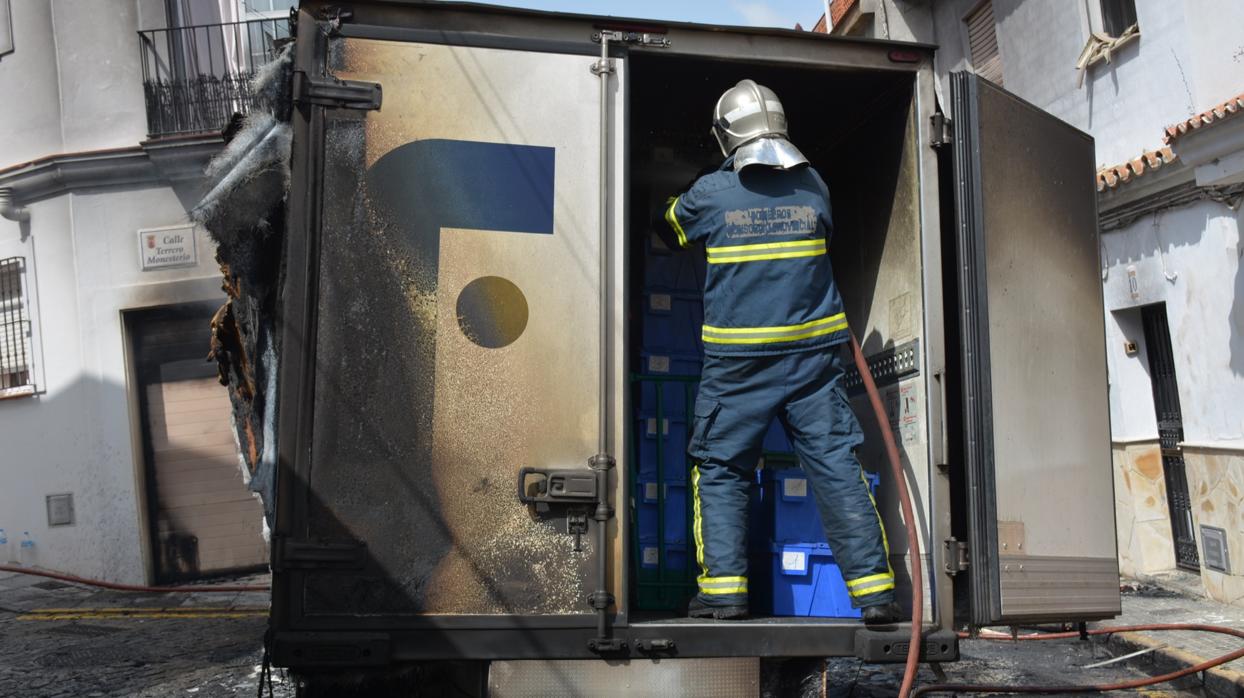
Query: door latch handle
554 486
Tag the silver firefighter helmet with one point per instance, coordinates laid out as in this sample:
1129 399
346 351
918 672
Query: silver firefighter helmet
750 123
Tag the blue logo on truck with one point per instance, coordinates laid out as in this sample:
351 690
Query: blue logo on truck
425 186
437 183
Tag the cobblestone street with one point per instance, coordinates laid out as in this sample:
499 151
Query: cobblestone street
66 640
60 639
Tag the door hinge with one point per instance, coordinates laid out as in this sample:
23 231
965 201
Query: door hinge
941 131
331 92
632 38
289 553
955 556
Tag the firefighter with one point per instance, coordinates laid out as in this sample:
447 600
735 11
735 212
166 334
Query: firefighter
775 345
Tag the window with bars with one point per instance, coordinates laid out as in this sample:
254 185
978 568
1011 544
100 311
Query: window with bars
16 376
983 42
1117 16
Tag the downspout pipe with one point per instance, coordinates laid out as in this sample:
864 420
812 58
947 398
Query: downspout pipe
10 210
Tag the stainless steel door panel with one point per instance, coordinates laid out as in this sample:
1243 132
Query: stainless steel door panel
457 334
1037 418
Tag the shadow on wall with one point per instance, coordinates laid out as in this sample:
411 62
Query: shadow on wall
1155 236
78 440
1094 73
72 441
1153 241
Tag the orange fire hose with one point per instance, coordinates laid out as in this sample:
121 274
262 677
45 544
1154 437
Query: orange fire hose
909 518
917 594
1097 688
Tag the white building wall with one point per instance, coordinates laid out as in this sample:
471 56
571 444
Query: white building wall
78 435
30 71
1163 77
1217 54
101 88
76 74
1188 258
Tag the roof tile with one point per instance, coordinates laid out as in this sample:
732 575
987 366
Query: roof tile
1229 108
1112 177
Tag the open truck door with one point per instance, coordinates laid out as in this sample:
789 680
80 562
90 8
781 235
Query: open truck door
444 334
1033 362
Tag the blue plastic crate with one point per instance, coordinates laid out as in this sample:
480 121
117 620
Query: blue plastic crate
672 321
673 447
789 509
775 439
676 560
804 580
677 398
666 363
759 526
666 590
677 270
646 491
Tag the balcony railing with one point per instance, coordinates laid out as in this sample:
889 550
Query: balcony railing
195 78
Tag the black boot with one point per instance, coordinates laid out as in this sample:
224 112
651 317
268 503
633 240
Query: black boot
699 609
882 614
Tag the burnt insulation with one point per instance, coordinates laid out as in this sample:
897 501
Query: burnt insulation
244 212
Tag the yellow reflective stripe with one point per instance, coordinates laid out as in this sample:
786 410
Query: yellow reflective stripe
722 585
672 219
857 593
872 584
777 328
767 340
869 579
725 590
764 257
697 522
885 542
817 242
714 580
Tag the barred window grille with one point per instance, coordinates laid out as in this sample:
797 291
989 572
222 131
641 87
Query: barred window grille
16 377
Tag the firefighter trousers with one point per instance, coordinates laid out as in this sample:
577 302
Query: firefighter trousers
738 399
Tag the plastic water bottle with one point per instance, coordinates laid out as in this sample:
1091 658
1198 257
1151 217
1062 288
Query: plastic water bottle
27 558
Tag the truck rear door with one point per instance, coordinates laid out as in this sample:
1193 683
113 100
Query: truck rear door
447 336
1037 433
